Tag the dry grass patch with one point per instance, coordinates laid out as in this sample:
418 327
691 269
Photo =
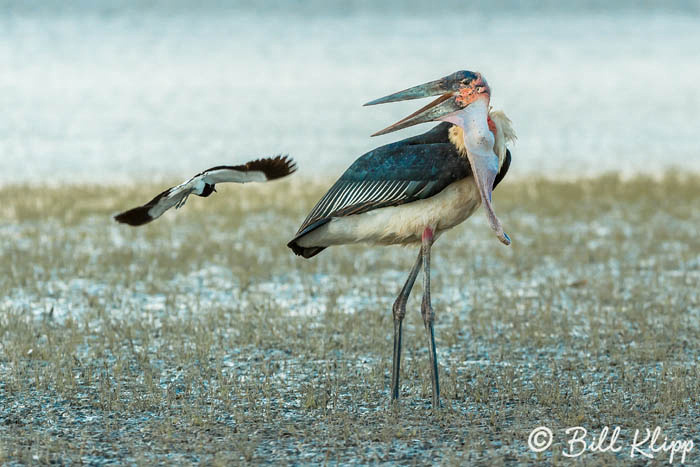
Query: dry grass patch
200 337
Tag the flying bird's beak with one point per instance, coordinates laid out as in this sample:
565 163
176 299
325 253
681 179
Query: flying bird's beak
464 101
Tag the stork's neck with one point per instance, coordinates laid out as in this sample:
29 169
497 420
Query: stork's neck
456 135
501 128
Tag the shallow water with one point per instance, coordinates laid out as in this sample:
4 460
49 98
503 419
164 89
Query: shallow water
166 89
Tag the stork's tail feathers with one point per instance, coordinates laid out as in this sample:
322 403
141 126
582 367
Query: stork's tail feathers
305 252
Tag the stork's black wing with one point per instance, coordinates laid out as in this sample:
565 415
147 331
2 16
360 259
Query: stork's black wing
399 173
390 177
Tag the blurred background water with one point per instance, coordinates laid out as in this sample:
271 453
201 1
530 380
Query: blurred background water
118 90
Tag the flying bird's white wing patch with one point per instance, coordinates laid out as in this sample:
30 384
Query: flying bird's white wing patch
260 170
234 175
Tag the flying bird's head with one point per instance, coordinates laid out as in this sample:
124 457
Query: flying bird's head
463 100
208 189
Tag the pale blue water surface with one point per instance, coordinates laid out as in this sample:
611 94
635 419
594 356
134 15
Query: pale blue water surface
122 90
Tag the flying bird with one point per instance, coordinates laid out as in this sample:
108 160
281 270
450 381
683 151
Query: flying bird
204 184
411 191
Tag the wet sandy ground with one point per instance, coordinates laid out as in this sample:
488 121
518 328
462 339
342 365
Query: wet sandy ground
201 338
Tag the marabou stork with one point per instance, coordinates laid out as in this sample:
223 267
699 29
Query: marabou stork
204 184
411 191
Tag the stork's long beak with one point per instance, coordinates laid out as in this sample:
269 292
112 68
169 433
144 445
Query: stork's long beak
445 104
432 88
464 101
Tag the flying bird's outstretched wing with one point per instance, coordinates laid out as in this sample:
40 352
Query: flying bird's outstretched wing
203 184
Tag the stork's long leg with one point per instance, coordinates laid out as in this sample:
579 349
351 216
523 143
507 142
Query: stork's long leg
429 315
399 310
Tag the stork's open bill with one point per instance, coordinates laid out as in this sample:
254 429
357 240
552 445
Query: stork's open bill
204 184
411 191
